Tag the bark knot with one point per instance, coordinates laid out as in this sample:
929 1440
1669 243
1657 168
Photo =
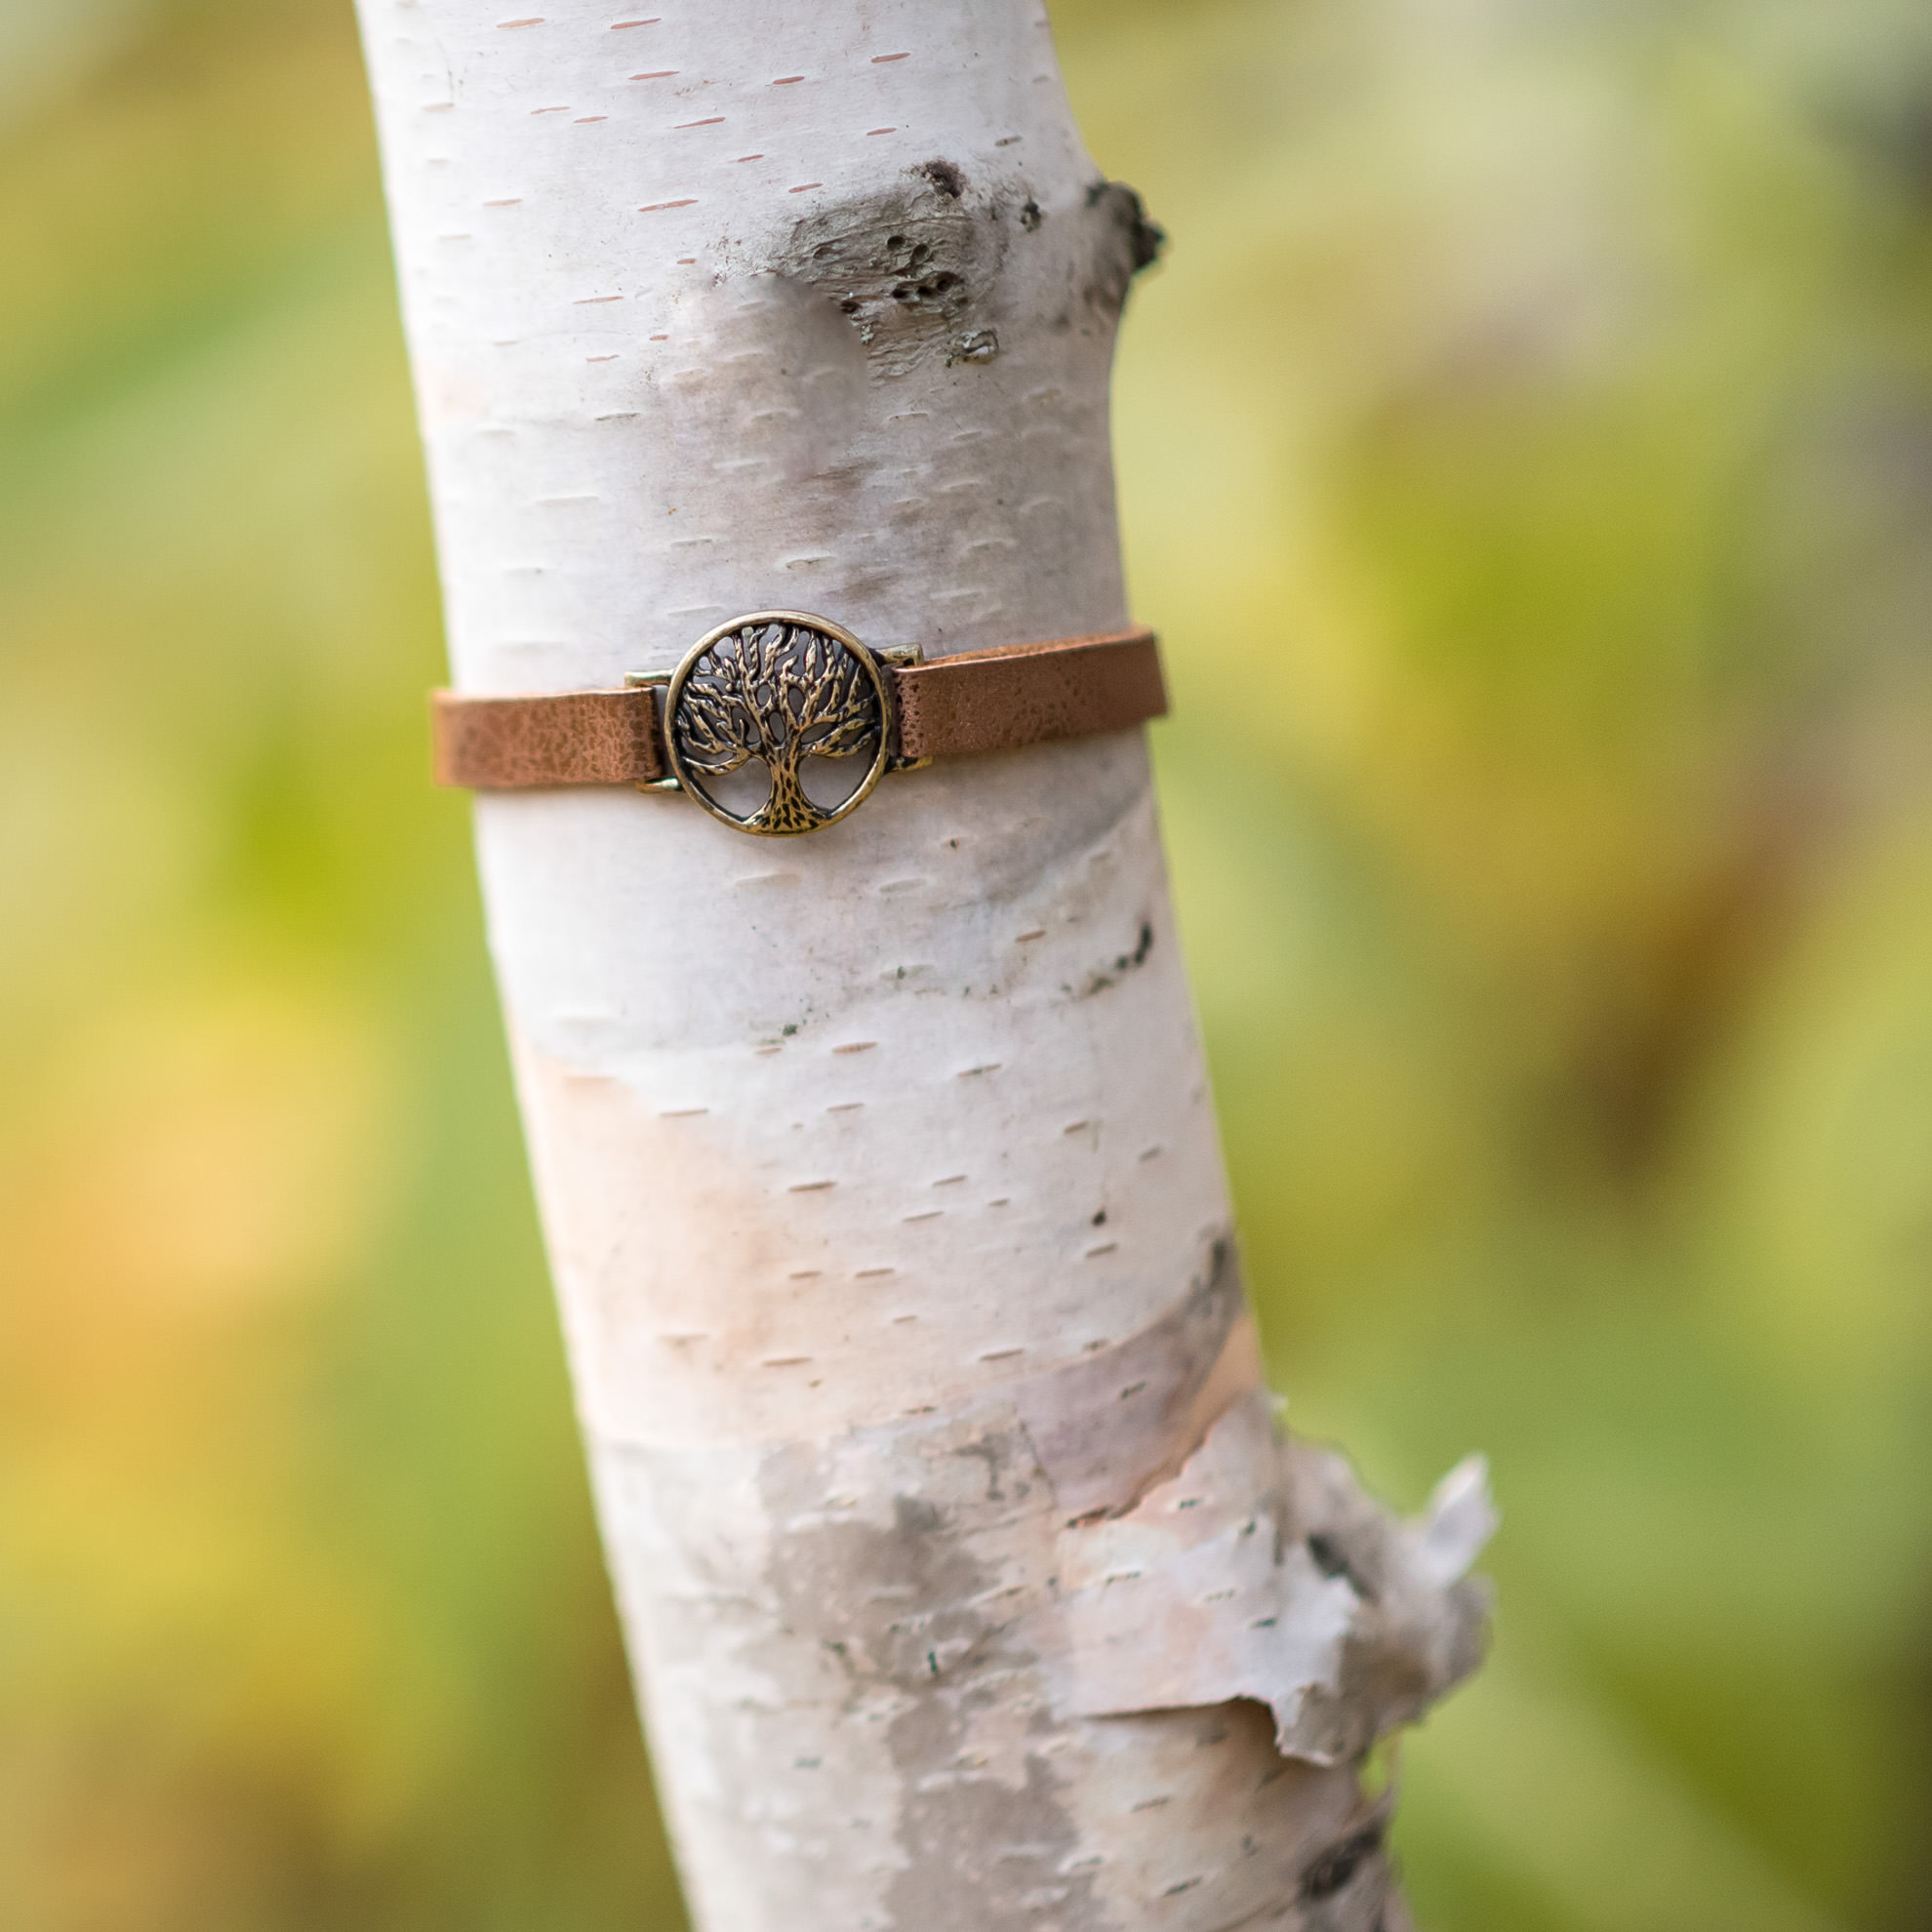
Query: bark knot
915 265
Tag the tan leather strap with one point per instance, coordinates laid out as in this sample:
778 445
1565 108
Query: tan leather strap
570 738
1028 694
976 701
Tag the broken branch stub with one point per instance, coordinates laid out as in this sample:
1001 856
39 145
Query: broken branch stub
966 1580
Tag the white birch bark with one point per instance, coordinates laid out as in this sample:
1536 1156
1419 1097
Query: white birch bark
966 1582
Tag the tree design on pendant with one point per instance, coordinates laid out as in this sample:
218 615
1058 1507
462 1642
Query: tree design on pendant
779 689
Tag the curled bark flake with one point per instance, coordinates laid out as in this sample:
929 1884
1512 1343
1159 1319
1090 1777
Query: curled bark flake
1419 1623
1261 1570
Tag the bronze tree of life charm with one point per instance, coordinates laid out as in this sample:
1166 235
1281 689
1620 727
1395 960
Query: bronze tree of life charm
781 689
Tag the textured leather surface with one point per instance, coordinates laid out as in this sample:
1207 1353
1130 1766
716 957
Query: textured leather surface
571 738
1028 694
980 701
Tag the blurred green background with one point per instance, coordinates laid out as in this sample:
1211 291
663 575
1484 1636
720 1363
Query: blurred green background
1534 422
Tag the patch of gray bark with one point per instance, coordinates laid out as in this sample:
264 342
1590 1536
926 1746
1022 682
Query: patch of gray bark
947 1618
915 268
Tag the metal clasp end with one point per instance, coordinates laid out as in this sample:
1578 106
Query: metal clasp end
659 682
902 656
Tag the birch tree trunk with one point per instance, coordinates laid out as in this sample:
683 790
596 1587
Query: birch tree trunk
966 1581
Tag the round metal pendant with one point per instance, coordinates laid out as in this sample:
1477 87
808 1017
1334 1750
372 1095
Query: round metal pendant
782 690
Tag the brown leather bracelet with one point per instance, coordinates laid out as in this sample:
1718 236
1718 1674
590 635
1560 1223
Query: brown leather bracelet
782 687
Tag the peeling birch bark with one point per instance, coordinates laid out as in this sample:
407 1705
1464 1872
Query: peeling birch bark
966 1580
